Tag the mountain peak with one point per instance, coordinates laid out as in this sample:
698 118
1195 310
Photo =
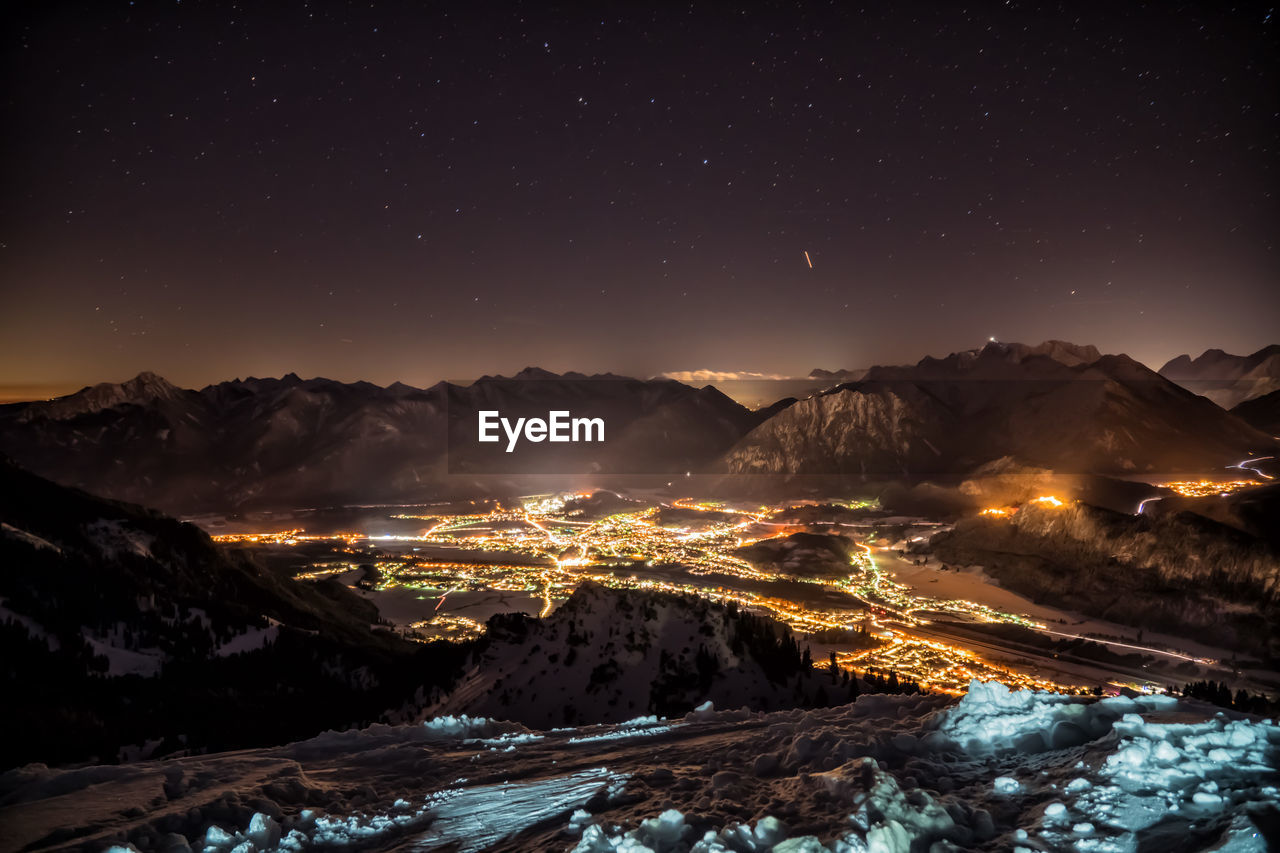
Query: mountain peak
842 375
144 388
1063 352
535 373
1225 378
148 385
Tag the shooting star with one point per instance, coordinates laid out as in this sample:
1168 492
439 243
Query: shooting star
807 258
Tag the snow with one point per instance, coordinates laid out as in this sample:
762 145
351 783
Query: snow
251 640
1006 785
639 727
114 536
997 769
122 661
993 719
477 818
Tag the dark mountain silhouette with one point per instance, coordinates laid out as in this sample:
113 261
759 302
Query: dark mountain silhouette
1227 379
1057 405
290 441
121 627
838 375
1261 412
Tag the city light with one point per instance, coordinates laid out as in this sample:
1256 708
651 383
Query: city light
544 546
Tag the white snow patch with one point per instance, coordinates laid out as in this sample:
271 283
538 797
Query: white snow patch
251 640
114 537
122 661
477 818
992 719
621 733
884 819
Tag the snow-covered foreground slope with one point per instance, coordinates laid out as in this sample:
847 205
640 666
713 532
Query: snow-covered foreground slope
995 771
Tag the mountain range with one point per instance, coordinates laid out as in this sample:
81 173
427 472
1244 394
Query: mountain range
295 442
1057 405
1228 380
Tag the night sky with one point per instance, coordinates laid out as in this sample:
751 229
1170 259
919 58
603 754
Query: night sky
386 192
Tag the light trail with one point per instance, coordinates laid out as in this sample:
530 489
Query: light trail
1244 466
806 257
1146 501
547 604
440 603
1191 658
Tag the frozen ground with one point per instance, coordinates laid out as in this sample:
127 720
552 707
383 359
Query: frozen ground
995 771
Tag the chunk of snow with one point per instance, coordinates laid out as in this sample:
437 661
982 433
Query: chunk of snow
1006 785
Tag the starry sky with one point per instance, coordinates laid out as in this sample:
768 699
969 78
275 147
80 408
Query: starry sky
405 191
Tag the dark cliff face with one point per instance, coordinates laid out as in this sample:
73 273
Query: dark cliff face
1180 573
1046 406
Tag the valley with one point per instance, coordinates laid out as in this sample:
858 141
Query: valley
440 572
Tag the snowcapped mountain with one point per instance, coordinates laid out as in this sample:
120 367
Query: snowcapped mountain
122 628
993 771
1227 379
608 655
144 388
1056 405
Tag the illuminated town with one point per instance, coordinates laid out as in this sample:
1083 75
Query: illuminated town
1208 488
544 546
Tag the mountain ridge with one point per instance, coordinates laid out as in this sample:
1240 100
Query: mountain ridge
1048 405
283 441
1227 379
122 627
